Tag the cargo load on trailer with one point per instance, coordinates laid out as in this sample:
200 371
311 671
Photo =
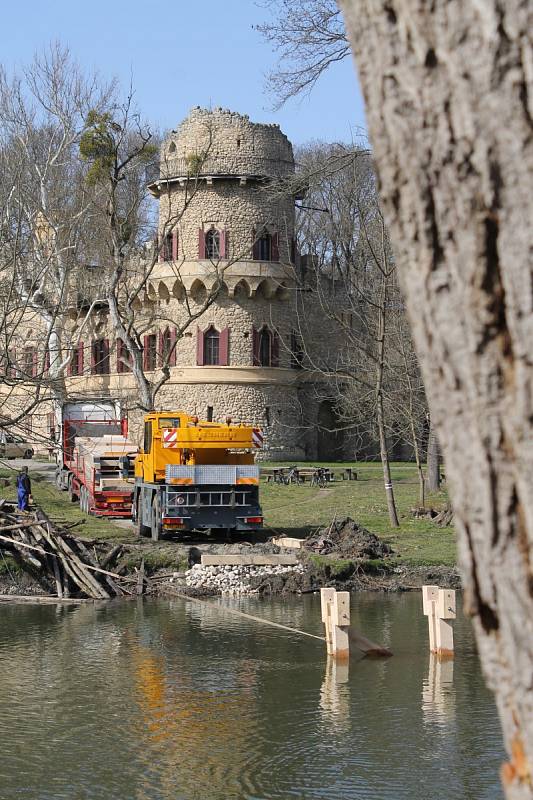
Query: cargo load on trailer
193 475
95 458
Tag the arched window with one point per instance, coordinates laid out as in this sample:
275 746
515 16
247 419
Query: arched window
211 346
265 347
212 244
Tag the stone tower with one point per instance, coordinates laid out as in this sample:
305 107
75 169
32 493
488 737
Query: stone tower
221 219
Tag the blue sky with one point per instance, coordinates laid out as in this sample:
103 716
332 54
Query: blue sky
180 54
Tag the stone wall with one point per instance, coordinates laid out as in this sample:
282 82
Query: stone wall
228 143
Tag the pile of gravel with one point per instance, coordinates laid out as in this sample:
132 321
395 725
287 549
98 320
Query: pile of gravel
344 538
237 580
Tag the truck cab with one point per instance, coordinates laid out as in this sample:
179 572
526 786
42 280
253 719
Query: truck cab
193 475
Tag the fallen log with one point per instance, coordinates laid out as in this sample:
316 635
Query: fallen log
48 599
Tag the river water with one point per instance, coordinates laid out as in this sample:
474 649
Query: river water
173 700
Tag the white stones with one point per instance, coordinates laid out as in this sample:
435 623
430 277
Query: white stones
234 580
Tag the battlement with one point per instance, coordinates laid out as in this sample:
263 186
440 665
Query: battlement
225 143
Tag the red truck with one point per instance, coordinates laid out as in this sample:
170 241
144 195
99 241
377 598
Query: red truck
93 457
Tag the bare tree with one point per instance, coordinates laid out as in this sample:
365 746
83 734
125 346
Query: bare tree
449 101
350 271
45 222
309 36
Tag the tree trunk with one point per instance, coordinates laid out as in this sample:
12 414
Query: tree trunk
433 466
380 415
449 94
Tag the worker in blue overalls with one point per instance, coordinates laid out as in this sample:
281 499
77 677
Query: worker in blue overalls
23 489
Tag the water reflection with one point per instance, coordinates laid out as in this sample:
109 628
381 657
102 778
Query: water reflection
438 695
335 694
175 701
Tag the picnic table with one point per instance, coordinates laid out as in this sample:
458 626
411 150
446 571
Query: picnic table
286 475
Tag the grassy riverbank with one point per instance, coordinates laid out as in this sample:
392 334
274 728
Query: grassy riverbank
295 510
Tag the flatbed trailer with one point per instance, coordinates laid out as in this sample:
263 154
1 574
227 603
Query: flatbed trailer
95 459
97 475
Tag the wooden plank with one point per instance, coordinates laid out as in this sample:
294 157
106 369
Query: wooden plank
245 560
71 565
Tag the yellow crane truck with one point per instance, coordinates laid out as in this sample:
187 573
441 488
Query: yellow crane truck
193 475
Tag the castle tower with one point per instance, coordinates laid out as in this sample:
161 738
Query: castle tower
222 218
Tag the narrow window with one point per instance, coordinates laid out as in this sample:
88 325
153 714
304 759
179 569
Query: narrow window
212 244
100 357
265 347
150 352
296 351
76 363
265 247
166 248
210 413
166 345
123 357
211 347
267 415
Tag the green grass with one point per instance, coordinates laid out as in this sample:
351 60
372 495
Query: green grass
293 510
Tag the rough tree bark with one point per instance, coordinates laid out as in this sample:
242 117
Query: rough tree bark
449 95
433 466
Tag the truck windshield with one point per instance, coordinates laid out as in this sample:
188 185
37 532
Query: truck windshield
169 422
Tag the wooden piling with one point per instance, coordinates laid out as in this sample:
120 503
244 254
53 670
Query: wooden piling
335 608
439 607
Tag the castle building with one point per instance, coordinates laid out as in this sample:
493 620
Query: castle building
242 358
227 264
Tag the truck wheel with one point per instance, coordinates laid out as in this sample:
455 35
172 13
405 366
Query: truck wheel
156 519
28 453
140 529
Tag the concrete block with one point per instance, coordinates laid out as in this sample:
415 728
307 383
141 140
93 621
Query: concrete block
287 541
252 560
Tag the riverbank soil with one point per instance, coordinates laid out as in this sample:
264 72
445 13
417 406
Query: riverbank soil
416 553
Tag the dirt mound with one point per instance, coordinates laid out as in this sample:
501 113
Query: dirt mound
346 539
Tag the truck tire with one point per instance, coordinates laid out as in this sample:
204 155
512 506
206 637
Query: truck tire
140 529
156 519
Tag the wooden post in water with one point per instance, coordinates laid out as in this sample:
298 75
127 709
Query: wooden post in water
335 608
439 607
326 599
